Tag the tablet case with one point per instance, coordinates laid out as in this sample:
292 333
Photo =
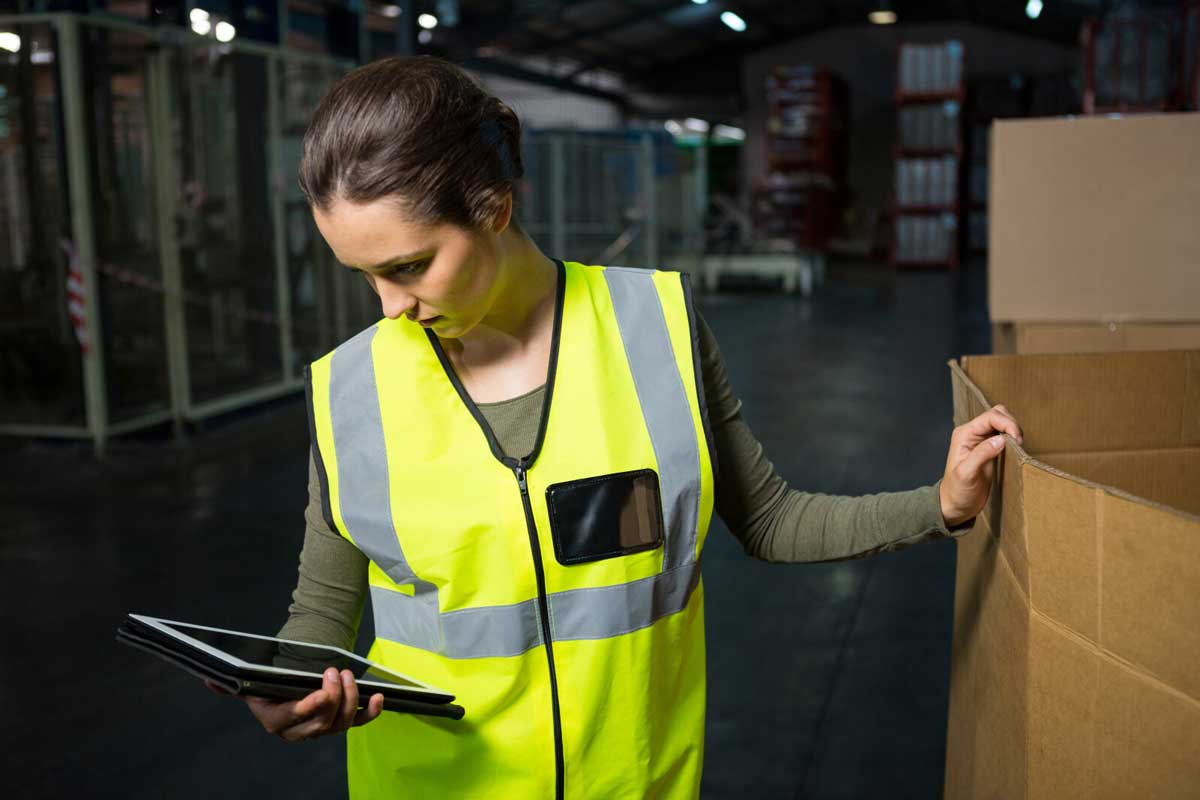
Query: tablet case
283 687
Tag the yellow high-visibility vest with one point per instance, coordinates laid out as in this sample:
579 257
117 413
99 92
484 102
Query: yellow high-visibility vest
557 596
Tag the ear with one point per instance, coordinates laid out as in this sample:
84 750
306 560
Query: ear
502 216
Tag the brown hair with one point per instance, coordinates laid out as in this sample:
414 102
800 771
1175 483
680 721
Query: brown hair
418 130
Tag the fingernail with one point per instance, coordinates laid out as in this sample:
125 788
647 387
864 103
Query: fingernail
331 674
997 442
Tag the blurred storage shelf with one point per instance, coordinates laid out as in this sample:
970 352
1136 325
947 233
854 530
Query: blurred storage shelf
930 92
802 195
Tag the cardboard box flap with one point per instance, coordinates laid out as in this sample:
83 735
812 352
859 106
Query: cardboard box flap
1096 401
1169 477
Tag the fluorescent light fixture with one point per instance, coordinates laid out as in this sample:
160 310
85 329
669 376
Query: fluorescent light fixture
693 124
425 37
1033 9
10 41
41 57
427 21
225 32
202 27
390 11
729 132
882 17
198 15
699 2
733 21
673 127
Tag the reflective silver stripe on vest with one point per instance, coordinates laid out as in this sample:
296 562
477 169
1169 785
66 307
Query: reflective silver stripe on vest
482 632
664 404
498 631
606 611
362 468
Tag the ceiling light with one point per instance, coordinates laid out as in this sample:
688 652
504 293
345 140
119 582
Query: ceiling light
425 37
733 21
198 15
729 132
427 21
882 13
225 32
693 124
390 11
1033 9
699 2
673 127
201 27
10 41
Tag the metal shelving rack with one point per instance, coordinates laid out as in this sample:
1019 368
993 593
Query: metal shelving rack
928 210
1144 62
801 196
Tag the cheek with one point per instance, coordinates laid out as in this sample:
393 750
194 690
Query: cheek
477 283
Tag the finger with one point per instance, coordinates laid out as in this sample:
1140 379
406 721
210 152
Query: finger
305 709
372 710
333 688
310 729
988 423
274 715
216 688
349 708
1003 409
982 453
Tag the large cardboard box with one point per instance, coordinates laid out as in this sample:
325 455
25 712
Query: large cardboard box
1076 656
1093 239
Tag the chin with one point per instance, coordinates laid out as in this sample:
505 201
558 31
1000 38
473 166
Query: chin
456 329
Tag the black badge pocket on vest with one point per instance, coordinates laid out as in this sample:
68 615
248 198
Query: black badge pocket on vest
607 516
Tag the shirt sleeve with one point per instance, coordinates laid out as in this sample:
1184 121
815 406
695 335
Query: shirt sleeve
775 522
331 590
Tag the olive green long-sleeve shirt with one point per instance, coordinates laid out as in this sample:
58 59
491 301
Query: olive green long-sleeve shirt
772 521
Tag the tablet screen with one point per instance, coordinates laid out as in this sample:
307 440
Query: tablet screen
287 655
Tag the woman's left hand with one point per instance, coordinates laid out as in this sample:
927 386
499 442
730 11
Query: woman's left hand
970 464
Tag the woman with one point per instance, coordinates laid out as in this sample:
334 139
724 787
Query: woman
519 464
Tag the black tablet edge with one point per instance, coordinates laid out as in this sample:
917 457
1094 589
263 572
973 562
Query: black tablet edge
278 691
176 651
254 672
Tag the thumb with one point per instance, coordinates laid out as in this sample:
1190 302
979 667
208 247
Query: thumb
984 452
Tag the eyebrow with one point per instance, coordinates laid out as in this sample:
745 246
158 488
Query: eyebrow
420 255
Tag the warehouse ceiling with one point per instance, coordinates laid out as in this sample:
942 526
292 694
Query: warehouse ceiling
681 46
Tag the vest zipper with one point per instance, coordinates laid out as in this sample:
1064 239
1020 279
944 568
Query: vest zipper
544 616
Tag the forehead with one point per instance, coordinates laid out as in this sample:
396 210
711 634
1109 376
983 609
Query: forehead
367 233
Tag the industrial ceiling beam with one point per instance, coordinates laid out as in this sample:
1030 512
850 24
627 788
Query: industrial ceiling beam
507 69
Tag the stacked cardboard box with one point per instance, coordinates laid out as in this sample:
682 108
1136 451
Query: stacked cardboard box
1093 238
1077 608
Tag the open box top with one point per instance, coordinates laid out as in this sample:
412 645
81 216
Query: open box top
1077 607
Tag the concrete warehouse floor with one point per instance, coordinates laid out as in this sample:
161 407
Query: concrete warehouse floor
825 681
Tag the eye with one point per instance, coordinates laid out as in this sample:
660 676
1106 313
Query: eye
411 268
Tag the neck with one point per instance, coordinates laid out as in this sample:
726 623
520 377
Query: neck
524 307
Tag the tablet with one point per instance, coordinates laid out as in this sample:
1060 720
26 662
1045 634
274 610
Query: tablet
246 663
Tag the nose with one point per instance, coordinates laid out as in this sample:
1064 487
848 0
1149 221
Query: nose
396 301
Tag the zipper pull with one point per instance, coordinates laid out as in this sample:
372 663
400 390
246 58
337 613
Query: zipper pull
520 473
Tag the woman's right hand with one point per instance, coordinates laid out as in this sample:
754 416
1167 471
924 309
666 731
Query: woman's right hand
331 709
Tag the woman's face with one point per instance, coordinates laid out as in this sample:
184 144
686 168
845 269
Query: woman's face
439 276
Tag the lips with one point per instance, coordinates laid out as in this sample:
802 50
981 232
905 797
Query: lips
425 323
